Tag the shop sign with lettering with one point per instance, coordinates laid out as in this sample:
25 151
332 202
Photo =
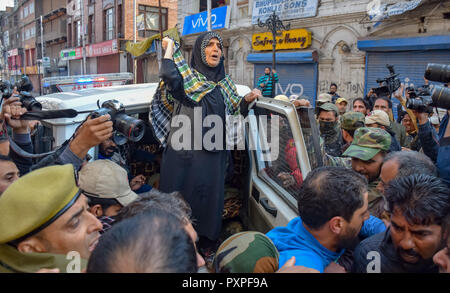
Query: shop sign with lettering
292 39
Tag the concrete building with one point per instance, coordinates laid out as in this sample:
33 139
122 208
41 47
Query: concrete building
109 25
347 47
54 34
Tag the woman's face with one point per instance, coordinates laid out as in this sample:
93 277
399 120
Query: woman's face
213 52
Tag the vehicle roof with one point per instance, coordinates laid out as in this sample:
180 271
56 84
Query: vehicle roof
133 97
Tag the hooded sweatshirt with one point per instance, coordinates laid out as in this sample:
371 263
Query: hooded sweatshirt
295 240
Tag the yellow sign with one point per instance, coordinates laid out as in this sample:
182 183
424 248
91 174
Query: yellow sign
293 39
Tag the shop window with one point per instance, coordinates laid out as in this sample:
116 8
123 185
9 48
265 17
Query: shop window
69 35
214 4
120 21
148 20
91 31
108 20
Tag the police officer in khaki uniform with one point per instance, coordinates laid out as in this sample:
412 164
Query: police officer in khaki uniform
43 217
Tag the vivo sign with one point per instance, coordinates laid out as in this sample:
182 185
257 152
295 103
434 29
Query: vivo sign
197 23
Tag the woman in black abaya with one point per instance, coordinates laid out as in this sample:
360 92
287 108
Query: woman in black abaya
198 171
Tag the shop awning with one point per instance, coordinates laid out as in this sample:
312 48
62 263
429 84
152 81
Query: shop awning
284 57
441 42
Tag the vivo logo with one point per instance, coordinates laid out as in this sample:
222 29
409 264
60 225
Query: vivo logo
200 22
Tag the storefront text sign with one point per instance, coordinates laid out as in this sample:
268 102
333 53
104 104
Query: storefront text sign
197 23
102 49
292 39
285 9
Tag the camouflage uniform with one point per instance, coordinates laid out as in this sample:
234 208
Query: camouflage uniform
332 137
247 252
351 121
367 142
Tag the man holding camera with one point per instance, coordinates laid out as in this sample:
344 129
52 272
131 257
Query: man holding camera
267 81
437 147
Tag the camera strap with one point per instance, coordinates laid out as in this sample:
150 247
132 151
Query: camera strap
18 150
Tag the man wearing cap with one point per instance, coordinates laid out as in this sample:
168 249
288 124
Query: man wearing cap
322 99
379 119
341 103
329 128
368 149
385 104
106 186
43 217
350 121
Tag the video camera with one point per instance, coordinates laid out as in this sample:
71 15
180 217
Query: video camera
439 97
24 87
389 84
126 127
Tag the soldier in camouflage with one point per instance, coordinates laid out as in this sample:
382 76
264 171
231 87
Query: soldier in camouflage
350 121
330 131
367 152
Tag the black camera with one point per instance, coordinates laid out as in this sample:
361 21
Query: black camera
438 72
389 84
126 127
441 95
420 100
24 87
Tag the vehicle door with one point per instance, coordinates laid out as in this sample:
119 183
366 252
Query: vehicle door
283 145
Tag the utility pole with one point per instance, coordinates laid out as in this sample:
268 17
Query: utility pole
134 38
83 39
208 7
275 26
42 57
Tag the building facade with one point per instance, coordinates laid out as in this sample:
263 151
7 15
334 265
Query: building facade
54 33
108 27
341 49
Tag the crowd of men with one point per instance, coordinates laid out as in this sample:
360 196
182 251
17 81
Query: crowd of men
380 203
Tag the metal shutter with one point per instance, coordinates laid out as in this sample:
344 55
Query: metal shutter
294 79
409 64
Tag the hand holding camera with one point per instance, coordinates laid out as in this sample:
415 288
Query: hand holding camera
11 112
90 134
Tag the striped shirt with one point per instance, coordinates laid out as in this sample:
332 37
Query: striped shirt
267 80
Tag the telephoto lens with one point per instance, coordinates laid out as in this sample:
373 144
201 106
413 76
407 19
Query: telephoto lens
130 127
441 97
438 72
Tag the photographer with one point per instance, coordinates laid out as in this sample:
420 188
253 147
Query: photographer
436 145
91 133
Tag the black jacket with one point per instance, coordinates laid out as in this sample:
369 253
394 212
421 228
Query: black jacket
390 261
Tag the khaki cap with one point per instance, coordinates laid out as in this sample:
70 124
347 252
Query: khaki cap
379 117
340 100
106 179
324 98
36 200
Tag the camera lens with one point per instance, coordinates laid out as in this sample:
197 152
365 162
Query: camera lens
441 97
130 127
438 72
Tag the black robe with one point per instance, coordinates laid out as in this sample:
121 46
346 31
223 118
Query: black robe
199 175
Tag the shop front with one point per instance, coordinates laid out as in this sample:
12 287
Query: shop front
410 57
297 68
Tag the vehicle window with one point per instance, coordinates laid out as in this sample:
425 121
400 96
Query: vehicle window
283 171
311 136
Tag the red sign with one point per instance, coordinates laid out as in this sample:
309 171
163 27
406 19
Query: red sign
102 49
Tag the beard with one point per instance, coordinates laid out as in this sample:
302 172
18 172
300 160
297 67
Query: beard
421 265
350 240
108 151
